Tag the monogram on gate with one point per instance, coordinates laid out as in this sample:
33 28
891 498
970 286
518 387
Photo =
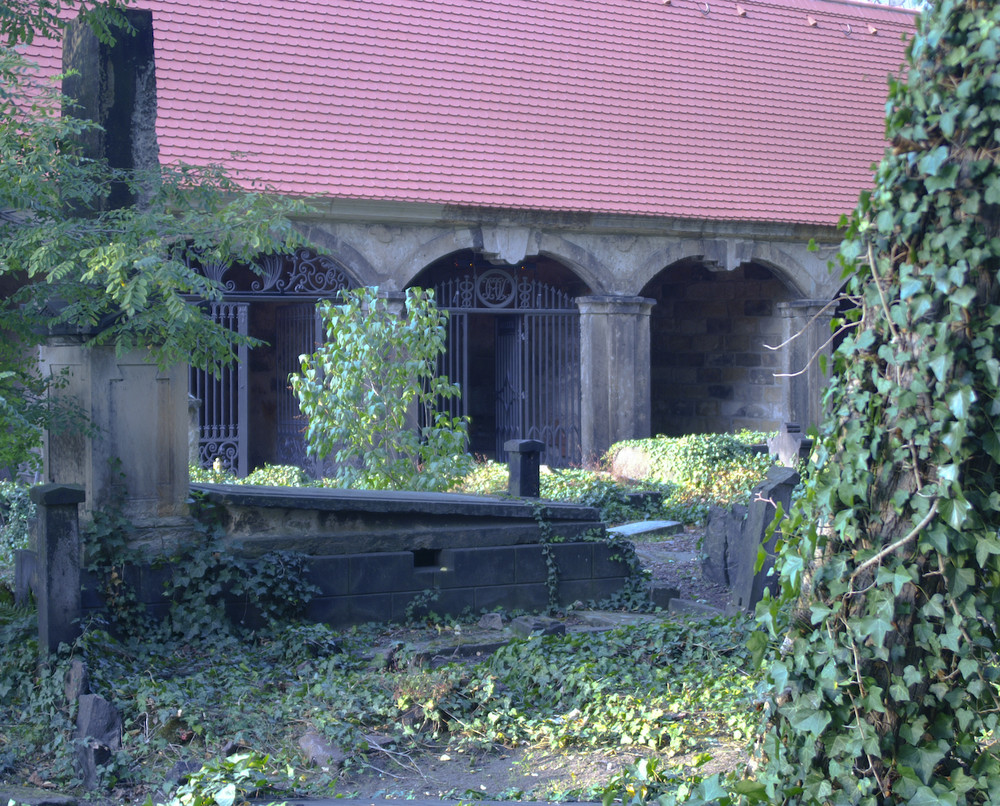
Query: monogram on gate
495 288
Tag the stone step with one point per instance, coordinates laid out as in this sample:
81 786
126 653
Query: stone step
647 529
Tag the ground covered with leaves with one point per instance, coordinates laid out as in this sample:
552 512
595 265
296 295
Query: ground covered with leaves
555 717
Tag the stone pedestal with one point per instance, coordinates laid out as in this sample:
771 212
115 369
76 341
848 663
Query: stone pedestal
614 361
524 462
808 321
137 451
57 541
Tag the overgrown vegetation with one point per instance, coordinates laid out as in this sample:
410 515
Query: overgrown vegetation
885 667
664 688
123 274
377 369
16 512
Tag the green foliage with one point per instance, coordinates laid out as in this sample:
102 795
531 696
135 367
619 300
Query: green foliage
884 660
577 486
265 476
229 781
122 277
665 688
705 469
212 589
16 512
361 387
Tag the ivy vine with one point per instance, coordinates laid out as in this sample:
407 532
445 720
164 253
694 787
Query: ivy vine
883 661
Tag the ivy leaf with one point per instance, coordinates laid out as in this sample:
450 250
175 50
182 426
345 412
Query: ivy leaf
955 511
922 760
960 401
807 719
932 161
986 546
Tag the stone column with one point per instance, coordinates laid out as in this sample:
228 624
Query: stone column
57 541
614 371
137 450
806 333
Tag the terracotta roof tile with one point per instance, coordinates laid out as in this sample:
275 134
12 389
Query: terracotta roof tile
617 106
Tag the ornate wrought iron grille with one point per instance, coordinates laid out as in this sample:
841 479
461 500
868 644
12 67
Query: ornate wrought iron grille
298 330
222 414
304 274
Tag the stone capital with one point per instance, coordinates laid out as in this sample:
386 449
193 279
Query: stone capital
615 306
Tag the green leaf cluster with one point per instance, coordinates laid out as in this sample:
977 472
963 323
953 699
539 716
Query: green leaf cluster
374 399
883 642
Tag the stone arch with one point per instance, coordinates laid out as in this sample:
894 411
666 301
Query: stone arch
431 250
711 369
724 255
581 261
350 260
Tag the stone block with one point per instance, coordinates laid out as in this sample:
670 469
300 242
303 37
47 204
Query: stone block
525 626
714 547
98 735
529 565
382 572
77 681
333 610
574 561
330 574
661 595
758 307
512 597
487 566
608 563
362 609
748 587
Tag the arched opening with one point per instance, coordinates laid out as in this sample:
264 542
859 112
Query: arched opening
514 349
248 416
710 369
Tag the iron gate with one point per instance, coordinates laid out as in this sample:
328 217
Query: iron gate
298 330
222 413
536 356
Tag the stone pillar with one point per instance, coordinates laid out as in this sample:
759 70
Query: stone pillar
115 86
57 541
137 450
614 371
524 463
805 333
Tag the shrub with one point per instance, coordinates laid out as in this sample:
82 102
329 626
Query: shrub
713 468
362 386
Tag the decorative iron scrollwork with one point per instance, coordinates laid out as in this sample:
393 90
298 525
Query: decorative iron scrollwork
313 274
302 274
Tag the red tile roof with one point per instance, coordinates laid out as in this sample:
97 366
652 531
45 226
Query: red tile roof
667 108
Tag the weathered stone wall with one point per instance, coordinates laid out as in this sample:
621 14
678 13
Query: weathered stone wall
711 370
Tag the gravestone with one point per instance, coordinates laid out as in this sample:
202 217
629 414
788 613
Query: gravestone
734 537
57 572
747 585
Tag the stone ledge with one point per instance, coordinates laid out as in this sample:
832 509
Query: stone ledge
382 502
